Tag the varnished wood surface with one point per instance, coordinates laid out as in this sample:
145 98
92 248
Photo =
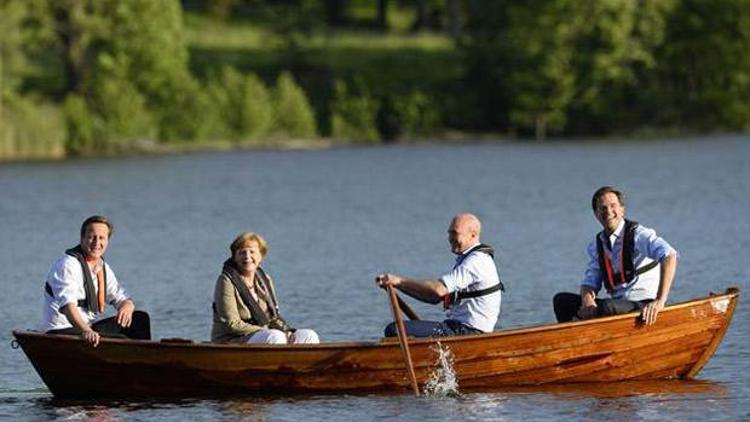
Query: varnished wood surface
606 350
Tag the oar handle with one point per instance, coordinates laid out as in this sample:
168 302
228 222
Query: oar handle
402 339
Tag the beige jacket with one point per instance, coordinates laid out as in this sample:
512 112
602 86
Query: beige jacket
232 319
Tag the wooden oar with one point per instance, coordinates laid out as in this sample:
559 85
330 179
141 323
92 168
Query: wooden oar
408 311
402 339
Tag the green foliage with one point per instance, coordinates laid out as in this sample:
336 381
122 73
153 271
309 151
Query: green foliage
244 104
293 115
353 114
291 20
29 130
418 113
127 60
146 37
185 112
559 66
614 43
147 41
552 64
111 120
704 69
526 48
12 59
122 115
80 126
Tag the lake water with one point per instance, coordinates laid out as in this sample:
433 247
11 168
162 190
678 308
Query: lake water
335 218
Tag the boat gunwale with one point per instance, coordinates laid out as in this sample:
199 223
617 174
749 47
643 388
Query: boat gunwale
731 293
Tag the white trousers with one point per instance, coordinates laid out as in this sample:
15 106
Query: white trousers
303 335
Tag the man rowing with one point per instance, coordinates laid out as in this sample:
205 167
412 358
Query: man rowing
470 292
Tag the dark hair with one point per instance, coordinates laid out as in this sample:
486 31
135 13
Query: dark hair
96 219
605 190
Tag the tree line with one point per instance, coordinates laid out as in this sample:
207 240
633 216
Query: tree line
80 77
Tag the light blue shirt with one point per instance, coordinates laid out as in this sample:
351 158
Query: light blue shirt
476 271
648 247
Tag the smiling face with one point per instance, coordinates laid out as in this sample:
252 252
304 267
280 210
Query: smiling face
609 211
463 233
248 257
95 240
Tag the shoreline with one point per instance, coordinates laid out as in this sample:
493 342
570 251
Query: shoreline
149 148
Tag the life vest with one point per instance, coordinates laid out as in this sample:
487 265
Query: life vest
627 271
90 302
259 317
455 297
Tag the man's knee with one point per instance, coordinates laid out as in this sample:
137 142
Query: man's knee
141 326
565 305
307 336
609 307
276 337
269 337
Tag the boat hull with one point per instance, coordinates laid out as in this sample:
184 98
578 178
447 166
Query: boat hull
608 349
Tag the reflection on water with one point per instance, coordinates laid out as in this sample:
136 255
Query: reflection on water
672 400
624 389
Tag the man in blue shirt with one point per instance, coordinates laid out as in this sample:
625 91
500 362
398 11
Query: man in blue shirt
629 260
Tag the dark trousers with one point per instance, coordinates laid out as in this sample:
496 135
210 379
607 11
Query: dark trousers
567 304
140 328
420 328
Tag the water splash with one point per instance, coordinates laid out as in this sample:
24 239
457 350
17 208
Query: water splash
443 381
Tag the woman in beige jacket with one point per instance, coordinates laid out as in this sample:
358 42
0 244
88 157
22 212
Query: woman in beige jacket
245 309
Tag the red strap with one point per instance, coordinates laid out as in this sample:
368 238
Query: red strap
608 267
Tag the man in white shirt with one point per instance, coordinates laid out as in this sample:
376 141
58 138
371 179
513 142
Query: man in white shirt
629 260
470 292
81 283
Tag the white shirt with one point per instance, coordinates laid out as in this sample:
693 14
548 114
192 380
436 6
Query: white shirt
648 247
477 271
65 278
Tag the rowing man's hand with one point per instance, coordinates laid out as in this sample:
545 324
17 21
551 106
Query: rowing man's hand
384 280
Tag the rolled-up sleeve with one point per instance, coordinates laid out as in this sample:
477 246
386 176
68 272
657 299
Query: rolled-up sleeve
459 278
592 278
652 245
66 282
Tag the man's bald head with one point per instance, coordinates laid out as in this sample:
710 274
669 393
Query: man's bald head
464 232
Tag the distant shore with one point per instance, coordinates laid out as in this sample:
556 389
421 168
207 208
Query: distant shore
153 148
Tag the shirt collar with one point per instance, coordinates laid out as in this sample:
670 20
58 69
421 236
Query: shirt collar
468 249
619 229
612 238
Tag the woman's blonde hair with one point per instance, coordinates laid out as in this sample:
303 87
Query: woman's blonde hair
243 240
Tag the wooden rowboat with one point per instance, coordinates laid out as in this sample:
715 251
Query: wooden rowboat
611 349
